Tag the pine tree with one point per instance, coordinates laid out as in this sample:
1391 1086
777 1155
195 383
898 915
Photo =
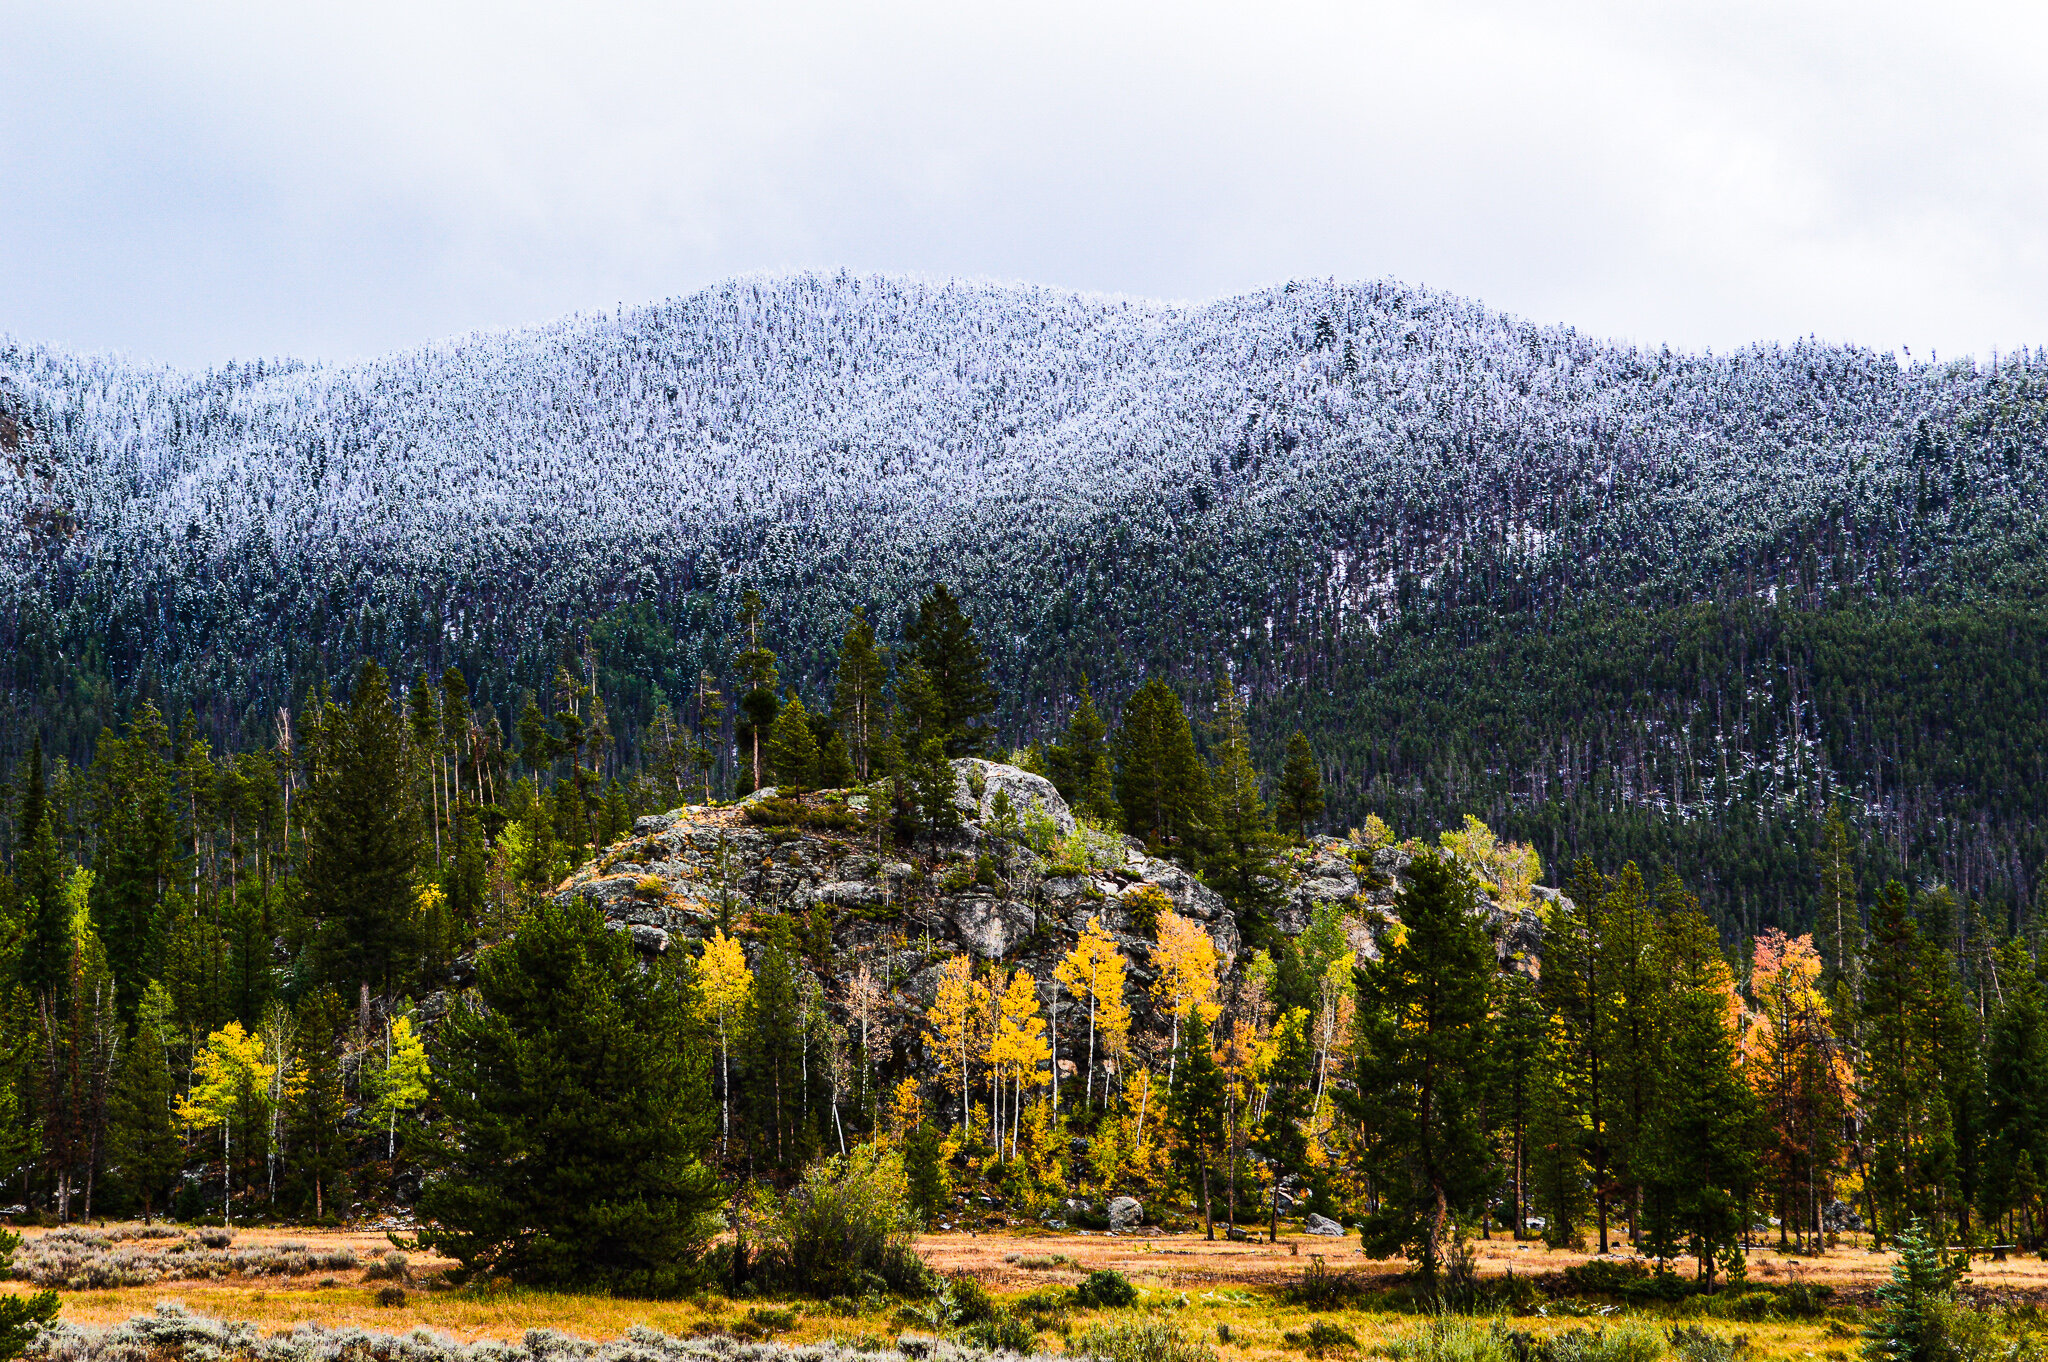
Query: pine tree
361 843
576 1103
775 1057
793 748
755 667
1514 1074
1239 865
924 1172
1839 919
1698 1153
1420 1068
1078 765
134 873
316 1105
1195 1111
142 1141
2016 1094
39 881
858 710
1300 796
23 1319
942 640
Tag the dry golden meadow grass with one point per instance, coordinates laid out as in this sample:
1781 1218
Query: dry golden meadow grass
1205 1284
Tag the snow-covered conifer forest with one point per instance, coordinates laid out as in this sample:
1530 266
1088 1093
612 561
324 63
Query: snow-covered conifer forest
1679 602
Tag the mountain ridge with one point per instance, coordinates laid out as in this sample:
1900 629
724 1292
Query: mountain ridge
1295 483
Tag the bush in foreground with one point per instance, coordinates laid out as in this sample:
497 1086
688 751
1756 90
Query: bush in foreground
846 1229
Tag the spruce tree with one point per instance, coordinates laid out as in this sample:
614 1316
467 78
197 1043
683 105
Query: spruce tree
775 1057
1421 1036
1299 800
1239 865
793 748
858 709
361 843
134 873
39 881
142 1138
2016 1093
1697 1155
1161 784
756 669
316 1106
942 640
578 1116
924 1172
1078 765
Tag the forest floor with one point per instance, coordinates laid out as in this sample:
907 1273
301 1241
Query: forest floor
1236 1285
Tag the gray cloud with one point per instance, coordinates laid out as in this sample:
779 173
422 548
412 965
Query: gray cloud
230 180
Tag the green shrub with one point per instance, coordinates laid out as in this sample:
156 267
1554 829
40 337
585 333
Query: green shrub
846 1228
1694 1344
1139 1341
775 811
1320 1338
1321 1289
1000 1332
1628 1343
1106 1289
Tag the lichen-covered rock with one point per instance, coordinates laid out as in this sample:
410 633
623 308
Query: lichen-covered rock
1125 1213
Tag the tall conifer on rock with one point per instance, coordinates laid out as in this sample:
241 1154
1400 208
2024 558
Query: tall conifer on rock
942 640
1078 765
1161 784
1299 800
1241 850
859 710
755 666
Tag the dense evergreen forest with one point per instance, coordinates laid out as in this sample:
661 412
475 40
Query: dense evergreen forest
330 974
1610 598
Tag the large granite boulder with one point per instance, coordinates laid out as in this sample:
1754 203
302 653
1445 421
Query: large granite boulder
990 778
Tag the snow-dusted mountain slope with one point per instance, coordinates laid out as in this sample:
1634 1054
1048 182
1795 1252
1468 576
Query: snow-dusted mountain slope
1284 461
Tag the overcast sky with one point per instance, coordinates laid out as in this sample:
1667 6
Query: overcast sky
194 183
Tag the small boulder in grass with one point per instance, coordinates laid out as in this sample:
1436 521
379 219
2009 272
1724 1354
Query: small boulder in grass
1323 1225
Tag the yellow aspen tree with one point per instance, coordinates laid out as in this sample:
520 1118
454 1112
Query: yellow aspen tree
1094 971
229 1079
403 1083
1335 1002
955 1023
1186 960
1018 1048
906 1109
727 985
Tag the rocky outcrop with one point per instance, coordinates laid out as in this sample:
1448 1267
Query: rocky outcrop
990 891
1018 883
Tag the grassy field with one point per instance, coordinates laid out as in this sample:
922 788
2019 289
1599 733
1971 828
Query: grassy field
1202 1285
